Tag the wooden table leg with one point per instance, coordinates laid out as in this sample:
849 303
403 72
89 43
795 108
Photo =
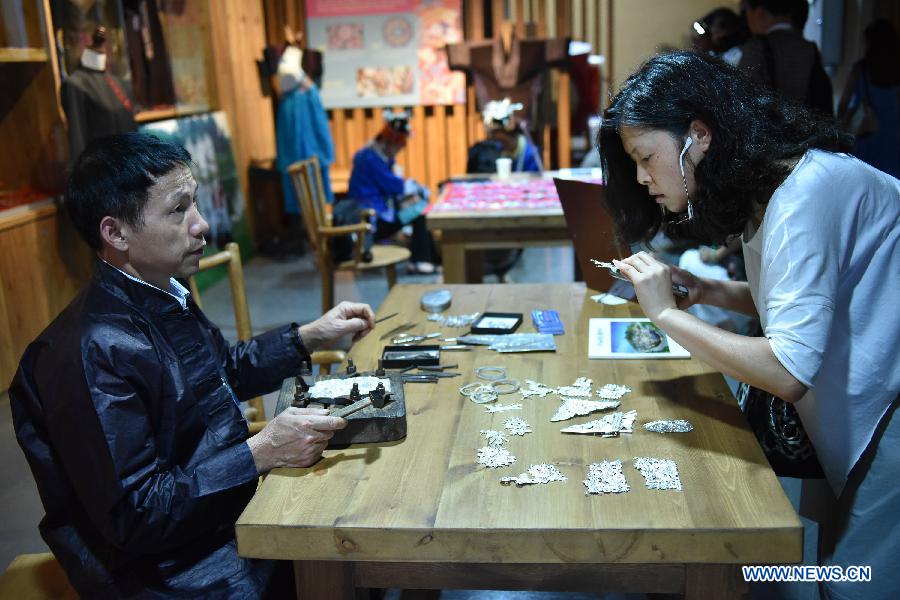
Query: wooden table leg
474 266
454 255
325 580
708 582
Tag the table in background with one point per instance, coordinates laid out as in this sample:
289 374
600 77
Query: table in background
477 215
422 514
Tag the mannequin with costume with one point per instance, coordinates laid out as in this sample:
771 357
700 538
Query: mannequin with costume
397 202
148 57
301 124
95 102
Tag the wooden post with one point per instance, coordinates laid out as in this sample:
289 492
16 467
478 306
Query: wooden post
563 105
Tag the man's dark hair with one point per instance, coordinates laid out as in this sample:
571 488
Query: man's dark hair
112 177
753 132
777 8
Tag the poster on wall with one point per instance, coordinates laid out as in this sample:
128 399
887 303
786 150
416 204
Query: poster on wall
219 197
386 52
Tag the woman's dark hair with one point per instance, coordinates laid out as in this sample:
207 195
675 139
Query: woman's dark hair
882 58
752 131
111 178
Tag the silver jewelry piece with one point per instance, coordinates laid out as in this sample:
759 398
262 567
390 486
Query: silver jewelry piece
489 373
454 320
542 473
611 391
502 408
576 407
580 389
517 426
674 426
608 426
494 437
659 473
494 457
337 388
535 389
606 478
504 386
485 395
469 389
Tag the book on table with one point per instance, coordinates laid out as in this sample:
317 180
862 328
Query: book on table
631 338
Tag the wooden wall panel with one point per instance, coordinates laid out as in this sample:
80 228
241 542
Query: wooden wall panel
238 38
43 264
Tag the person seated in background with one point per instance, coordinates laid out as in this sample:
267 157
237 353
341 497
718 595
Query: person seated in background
127 406
398 203
720 33
506 138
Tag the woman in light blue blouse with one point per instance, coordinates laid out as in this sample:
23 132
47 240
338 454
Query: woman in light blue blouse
692 146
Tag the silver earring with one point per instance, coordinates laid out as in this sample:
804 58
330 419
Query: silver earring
690 206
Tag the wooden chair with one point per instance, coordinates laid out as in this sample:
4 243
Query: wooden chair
306 178
231 256
36 577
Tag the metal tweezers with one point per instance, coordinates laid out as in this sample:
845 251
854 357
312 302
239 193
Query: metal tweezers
398 329
417 378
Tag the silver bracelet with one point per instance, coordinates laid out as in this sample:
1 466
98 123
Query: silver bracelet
505 386
489 373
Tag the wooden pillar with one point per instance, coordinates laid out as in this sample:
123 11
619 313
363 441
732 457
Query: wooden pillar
238 37
564 109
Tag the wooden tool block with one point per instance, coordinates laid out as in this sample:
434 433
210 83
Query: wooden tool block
369 425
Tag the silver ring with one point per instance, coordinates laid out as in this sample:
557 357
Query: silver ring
470 389
490 373
512 386
484 396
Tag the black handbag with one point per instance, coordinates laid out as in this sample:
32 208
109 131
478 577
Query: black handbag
780 433
347 211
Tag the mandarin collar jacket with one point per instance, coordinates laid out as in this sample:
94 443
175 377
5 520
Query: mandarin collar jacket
126 407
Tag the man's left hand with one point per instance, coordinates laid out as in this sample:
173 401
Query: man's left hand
347 318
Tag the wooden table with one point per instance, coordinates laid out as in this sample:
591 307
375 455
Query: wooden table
465 232
422 514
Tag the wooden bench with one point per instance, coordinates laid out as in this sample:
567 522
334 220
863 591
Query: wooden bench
36 577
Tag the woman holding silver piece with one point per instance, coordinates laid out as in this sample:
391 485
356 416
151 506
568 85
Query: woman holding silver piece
692 146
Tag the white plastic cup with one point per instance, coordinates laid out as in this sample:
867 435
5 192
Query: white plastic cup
504 168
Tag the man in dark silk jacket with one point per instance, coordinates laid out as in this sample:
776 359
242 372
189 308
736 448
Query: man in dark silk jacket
127 405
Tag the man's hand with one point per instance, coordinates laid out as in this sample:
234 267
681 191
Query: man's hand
295 438
347 318
652 281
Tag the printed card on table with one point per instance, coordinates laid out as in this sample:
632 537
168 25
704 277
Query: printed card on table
631 338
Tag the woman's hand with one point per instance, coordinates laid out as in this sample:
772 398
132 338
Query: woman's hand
693 284
652 282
